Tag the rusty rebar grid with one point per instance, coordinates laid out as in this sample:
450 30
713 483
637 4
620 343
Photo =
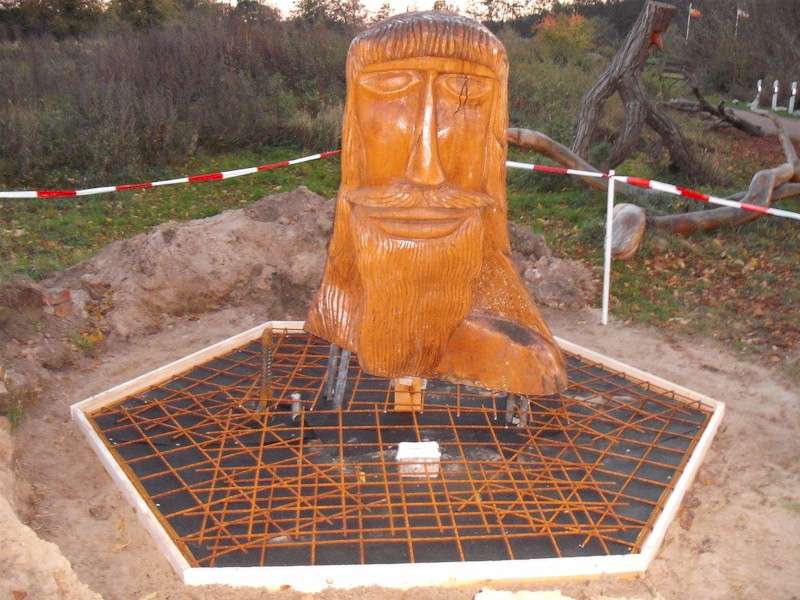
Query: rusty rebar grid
302 483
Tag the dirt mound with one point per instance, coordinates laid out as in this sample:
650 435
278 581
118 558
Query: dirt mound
31 567
269 255
554 282
273 251
6 450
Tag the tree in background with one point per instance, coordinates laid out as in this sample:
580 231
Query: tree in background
60 18
350 13
384 12
312 11
496 11
564 38
142 14
254 12
443 6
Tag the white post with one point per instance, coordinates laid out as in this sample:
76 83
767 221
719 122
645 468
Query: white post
755 102
775 88
735 51
688 21
607 258
793 99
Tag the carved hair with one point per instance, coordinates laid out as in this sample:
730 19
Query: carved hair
427 34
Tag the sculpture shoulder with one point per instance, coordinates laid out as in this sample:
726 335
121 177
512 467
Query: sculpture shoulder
497 353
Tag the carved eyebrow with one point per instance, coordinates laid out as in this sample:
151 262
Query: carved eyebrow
389 82
466 87
432 63
457 82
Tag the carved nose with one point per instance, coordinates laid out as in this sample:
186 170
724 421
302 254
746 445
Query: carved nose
424 167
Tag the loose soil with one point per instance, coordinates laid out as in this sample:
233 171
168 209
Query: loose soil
737 534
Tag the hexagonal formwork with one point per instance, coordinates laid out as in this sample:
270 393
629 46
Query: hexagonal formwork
241 492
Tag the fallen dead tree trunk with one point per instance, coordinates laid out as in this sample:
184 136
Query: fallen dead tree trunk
546 146
708 220
683 105
559 153
766 187
721 112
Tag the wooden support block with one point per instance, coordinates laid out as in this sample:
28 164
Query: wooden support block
408 394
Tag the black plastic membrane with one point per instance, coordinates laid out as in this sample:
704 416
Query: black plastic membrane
239 483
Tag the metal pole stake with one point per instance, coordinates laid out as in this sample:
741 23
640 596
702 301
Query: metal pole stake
266 369
607 259
341 379
330 373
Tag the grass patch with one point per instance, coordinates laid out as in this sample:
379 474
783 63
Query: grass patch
791 504
15 403
15 414
87 341
38 237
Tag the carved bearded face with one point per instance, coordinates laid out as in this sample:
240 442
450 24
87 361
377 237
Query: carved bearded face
420 228
418 217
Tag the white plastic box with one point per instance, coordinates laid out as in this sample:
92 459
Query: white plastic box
419 459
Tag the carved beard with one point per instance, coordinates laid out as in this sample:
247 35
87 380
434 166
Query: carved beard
414 293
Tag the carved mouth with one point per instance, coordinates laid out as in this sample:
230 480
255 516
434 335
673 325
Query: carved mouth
417 223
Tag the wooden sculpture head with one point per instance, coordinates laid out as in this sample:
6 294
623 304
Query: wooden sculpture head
418 280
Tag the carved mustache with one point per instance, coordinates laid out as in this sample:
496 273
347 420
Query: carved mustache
406 195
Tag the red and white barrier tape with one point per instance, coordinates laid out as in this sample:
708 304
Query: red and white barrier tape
677 190
667 188
555 170
152 184
633 181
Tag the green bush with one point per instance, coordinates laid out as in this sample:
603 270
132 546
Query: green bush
130 103
115 104
545 92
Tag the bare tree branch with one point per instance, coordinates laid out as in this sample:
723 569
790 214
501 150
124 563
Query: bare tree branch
708 220
546 146
723 113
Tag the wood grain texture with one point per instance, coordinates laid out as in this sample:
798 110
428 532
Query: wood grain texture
419 280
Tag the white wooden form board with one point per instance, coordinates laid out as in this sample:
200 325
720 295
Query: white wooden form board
315 578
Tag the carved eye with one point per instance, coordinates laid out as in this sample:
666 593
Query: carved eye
467 87
389 82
